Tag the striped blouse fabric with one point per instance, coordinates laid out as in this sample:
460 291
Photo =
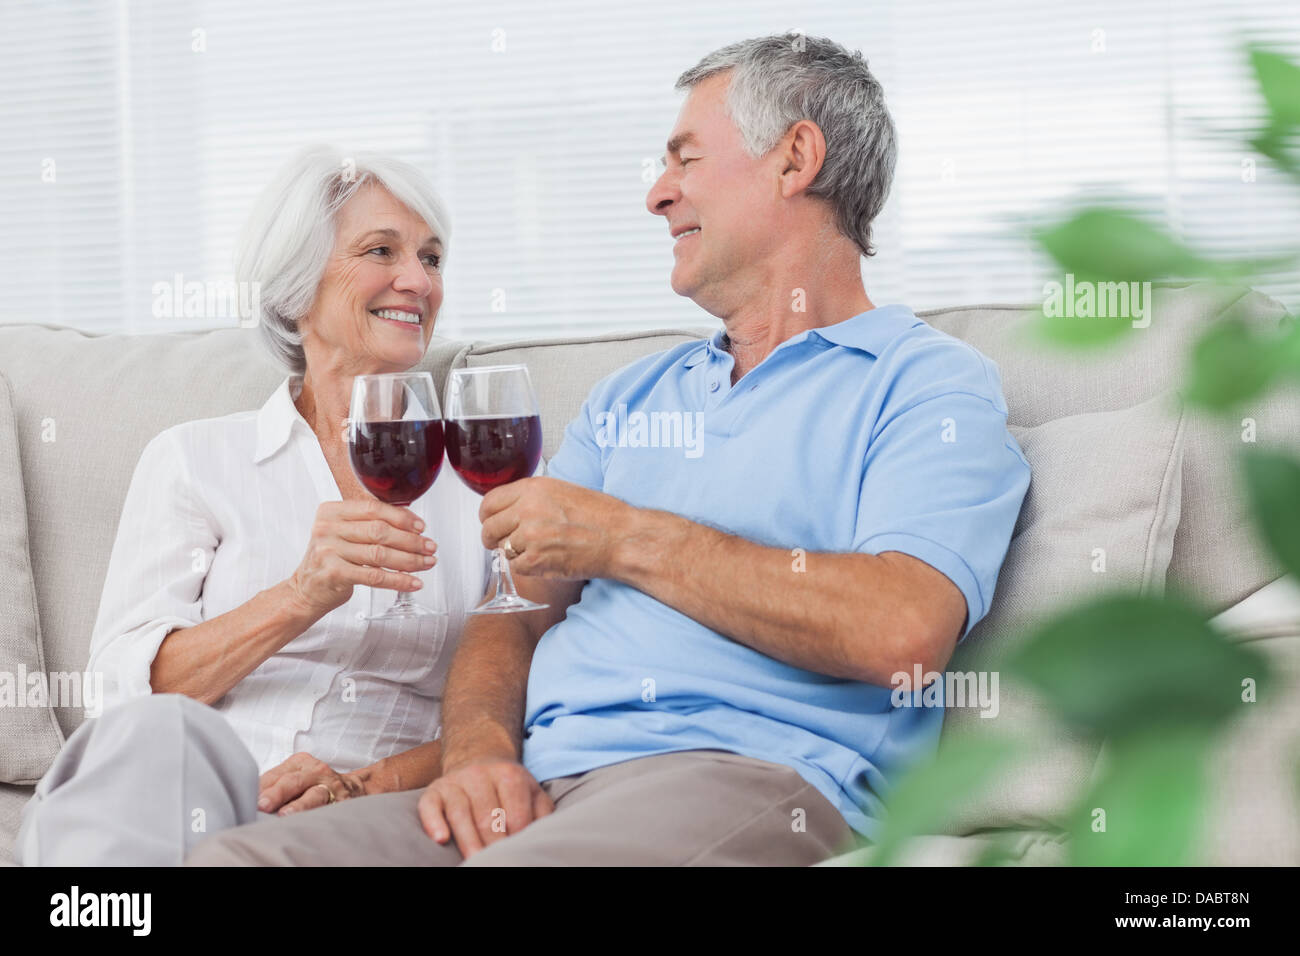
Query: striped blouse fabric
221 509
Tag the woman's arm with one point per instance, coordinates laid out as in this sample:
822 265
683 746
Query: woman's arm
408 770
206 661
150 634
352 542
303 782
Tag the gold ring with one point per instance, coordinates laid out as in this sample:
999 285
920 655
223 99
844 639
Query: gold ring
328 792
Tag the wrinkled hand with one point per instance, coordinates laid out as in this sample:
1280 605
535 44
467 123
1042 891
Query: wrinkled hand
482 802
353 542
297 784
557 529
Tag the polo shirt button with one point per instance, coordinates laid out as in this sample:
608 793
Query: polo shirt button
714 386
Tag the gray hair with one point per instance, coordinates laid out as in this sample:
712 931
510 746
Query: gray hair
778 81
287 241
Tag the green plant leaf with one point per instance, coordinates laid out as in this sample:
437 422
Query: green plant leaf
1113 245
1231 364
1079 331
1279 82
1272 144
1273 486
1000 849
923 799
1278 79
1150 799
1104 246
1124 665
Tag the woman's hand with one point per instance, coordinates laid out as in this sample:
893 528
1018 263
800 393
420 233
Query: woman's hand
354 542
303 782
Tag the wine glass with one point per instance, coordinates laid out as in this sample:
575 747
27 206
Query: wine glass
494 436
395 444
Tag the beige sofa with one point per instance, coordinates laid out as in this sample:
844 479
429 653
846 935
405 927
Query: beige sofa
1118 467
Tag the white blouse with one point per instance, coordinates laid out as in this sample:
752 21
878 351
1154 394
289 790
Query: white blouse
222 508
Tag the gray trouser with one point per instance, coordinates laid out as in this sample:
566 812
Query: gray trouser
140 785
690 808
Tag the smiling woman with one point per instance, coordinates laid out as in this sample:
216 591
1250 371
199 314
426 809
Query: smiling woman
304 222
233 633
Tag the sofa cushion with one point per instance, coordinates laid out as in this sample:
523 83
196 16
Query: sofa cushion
1101 512
1021 849
1216 556
29 735
106 396
12 800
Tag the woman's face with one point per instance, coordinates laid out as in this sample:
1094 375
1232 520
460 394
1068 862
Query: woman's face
385 263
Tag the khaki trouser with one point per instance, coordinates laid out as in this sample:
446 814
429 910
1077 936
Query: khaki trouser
164 778
690 808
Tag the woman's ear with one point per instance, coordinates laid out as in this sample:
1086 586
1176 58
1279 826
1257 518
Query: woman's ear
804 152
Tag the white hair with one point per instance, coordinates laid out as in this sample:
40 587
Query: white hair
776 81
287 241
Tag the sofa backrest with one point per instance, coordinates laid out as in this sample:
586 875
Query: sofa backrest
87 404
1216 557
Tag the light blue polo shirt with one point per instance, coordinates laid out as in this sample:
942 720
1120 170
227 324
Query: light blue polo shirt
876 434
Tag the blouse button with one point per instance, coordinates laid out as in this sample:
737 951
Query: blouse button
714 386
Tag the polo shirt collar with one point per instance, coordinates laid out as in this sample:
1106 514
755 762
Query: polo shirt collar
712 348
869 332
276 419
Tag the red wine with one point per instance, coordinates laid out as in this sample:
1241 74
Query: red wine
488 452
397 461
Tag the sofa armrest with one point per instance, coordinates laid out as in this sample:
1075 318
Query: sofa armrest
1274 608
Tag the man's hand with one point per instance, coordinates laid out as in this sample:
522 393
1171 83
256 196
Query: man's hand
301 783
557 529
481 802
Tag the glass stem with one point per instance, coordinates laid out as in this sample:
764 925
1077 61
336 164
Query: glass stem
505 583
403 601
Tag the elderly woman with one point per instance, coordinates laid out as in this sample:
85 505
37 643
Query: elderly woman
248 555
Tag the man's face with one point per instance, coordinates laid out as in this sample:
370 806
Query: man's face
712 185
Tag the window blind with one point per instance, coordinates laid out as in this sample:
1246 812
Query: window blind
135 136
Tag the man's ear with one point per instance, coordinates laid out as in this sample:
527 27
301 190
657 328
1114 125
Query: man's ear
803 152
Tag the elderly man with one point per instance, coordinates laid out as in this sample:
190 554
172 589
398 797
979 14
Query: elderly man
711 683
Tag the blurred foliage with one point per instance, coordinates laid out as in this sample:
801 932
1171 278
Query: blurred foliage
1126 665
921 801
1148 675
1273 490
1279 83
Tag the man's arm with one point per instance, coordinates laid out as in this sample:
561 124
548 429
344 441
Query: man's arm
483 706
859 616
484 793
864 617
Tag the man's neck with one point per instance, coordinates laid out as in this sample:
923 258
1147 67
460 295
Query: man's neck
752 335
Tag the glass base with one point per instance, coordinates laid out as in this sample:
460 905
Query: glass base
405 612
506 604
